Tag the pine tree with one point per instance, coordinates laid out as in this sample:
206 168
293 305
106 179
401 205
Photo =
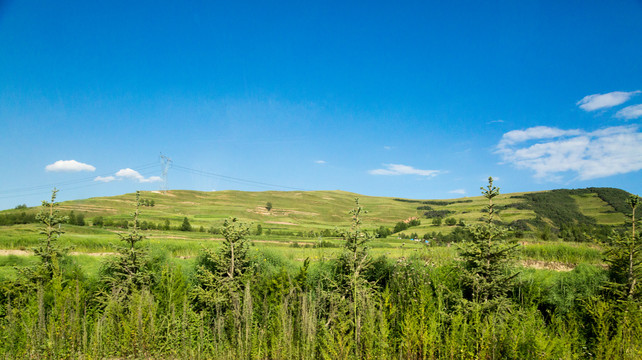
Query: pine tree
186 226
624 257
48 251
130 270
352 266
221 275
487 258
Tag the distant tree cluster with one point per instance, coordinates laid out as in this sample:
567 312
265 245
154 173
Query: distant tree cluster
435 202
558 206
450 221
17 218
445 202
404 225
100 221
383 232
424 207
76 219
458 235
431 214
147 202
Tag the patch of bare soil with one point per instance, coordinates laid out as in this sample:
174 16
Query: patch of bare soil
88 208
5 252
168 237
548 265
279 222
261 210
160 192
117 231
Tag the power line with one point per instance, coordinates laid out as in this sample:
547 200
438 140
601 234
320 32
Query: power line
166 163
234 179
34 190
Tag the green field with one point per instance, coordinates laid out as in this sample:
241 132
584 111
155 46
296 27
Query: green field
308 289
294 226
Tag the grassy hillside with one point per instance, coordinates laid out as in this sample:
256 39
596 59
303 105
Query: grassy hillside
304 225
296 211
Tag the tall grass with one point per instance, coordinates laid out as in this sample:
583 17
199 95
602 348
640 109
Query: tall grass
568 253
414 316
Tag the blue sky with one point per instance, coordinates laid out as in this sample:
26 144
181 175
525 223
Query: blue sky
412 99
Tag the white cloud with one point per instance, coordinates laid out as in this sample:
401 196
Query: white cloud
387 147
630 112
534 133
458 191
69 166
320 162
135 175
591 155
601 101
105 179
398 169
498 121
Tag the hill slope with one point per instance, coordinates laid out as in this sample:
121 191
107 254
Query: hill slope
296 211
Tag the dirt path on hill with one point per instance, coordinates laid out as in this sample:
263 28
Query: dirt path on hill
6 252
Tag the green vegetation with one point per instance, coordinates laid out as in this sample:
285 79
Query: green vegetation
308 280
625 260
487 259
558 207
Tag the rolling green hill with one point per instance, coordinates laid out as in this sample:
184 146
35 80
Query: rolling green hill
304 225
296 211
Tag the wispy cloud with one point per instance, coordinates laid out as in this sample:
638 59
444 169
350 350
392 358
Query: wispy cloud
534 133
498 121
320 162
387 147
130 174
458 191
69 166
105 179
601 101
136 176
398 169
550 152
630 112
